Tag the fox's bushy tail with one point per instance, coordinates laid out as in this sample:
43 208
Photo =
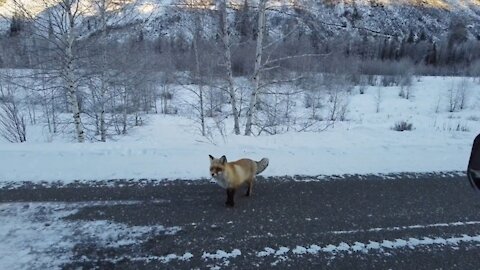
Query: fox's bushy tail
262 165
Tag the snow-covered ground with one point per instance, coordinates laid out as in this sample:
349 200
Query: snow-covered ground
169 147
37 235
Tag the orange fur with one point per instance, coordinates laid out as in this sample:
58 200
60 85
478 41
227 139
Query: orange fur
233 174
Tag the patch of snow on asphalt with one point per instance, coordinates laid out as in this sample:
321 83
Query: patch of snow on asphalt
220 254
382 246
36 235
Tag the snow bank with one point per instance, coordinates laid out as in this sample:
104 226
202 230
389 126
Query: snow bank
169 147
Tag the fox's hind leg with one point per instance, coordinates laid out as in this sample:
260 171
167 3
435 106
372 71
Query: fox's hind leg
249 187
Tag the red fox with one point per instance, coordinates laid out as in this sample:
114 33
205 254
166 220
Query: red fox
231 175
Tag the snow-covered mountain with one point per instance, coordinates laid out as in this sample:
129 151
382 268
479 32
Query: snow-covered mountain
431 18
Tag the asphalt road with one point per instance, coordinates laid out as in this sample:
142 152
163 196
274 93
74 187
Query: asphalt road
355 222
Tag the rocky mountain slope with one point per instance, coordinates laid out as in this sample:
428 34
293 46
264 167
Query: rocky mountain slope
431 18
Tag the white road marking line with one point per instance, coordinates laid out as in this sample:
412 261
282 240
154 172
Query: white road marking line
400 228
148 258
377 229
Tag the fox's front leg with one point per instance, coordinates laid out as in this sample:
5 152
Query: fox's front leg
230 195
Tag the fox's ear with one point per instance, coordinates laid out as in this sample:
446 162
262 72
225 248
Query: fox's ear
223 159
211 157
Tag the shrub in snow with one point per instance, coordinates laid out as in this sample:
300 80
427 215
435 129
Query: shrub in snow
451 127
313 99
473 118
166 97
371 80
388 80
338 90
12 121
402 126
338 105
462 127
362 88
406 85
405 92
457 96
378 99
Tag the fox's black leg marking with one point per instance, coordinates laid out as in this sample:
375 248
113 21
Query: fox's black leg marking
230 195
249 188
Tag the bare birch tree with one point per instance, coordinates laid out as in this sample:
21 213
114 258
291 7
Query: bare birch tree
102 8
197 11
71 9
12 120
107 10
198 81
258 65
58 27
264 64
225 33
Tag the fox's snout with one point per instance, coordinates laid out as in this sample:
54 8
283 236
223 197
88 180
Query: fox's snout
215 172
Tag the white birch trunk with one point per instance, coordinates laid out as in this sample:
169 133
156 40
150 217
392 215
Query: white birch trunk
124 114
228 65
103 76
71 85
197 71
258 64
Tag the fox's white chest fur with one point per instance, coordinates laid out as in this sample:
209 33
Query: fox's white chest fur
221 182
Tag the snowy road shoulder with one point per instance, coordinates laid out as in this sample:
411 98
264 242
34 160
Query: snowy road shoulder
37 235
144 182
363 151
